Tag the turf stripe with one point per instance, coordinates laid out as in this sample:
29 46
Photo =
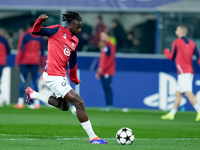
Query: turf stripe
71 139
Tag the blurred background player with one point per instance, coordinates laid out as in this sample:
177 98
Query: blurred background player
4 51
62 44
30 58
182 51
106 68
95 38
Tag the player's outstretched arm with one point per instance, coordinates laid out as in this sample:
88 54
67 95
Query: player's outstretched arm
37 25
44 31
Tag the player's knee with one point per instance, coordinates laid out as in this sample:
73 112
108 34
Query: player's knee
188 94
79 104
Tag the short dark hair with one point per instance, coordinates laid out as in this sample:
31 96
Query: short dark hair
70 16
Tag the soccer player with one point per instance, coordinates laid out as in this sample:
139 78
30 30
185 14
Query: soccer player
106 69
30 56
182 51
4 51
62 44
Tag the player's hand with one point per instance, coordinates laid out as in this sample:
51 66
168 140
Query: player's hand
43 17
100 70
97 76
166 51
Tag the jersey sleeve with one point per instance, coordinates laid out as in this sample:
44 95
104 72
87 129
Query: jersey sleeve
44 31
73 67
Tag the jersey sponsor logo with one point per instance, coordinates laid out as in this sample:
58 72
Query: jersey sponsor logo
165 97
65 36
67 50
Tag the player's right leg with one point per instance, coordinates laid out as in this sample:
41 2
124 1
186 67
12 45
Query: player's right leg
172 113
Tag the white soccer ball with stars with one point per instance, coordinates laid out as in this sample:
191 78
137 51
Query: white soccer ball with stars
125 136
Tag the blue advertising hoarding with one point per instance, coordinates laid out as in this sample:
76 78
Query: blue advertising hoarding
140 82
152 90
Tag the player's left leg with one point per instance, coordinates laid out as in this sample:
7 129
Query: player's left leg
191 97
172 113
106 81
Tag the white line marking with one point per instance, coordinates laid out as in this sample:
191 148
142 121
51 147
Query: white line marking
62 138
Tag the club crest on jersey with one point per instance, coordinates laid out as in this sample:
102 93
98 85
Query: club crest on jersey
67 50
65 36
105 49
63 83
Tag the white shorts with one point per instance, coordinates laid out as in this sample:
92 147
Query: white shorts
58 85
185 82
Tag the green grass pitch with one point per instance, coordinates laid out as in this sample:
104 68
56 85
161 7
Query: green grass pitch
51 129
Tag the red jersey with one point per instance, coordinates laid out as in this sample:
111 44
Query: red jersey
61 50
107 59
4 50
182 51
30 50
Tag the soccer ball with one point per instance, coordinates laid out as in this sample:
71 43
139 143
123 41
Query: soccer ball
125 136
73 110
